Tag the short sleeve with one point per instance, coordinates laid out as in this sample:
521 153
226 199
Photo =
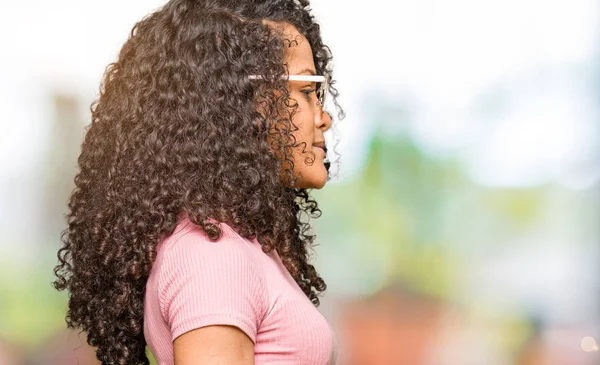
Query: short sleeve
205 283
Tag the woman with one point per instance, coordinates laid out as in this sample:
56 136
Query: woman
189 225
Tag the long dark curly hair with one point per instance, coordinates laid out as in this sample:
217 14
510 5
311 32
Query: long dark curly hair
179 128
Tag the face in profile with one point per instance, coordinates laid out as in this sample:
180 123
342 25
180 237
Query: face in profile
311 121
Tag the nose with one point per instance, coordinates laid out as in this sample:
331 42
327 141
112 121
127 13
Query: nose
322 120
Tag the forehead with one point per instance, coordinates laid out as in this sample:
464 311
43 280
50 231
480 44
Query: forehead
299 52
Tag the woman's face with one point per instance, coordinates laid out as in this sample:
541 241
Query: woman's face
310 119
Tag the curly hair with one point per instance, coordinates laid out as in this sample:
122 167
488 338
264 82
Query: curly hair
178 127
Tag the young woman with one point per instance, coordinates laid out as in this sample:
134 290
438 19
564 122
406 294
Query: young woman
189 225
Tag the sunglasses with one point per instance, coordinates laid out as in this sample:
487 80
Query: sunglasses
321 90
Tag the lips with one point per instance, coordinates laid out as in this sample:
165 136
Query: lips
324 149
321 145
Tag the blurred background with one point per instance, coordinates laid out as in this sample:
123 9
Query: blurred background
464 224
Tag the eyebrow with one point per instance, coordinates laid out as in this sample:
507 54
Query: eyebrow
307 71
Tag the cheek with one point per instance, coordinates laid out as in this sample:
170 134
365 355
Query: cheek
304 121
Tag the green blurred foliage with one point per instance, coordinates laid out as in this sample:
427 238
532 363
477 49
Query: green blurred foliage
412 214
31 310
395 208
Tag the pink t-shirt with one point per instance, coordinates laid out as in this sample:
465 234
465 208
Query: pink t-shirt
196 282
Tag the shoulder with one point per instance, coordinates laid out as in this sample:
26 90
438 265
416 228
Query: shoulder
191 258
191 244
203 282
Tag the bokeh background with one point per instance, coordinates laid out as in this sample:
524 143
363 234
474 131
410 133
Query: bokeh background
464 224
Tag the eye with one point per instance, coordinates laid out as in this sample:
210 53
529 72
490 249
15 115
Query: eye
308 92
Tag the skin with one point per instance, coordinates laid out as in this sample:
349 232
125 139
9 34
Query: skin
311 120
224 345
214 345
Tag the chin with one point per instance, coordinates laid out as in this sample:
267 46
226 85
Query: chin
317 180
319 185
